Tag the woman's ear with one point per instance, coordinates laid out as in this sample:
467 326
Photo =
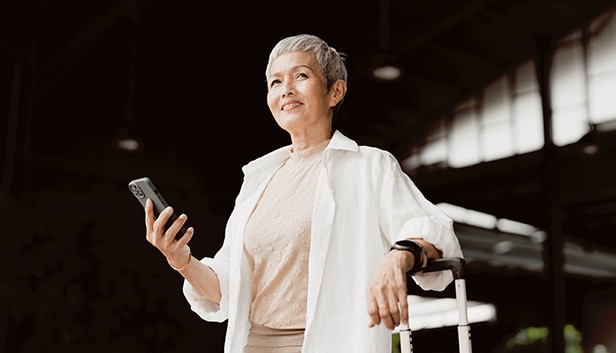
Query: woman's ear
338 91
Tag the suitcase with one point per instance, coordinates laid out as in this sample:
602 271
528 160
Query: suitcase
457 266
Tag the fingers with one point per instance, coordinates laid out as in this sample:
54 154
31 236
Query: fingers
157 233
386 313
373 312
404 310
149 216
383 308
175 227
386 297
185 239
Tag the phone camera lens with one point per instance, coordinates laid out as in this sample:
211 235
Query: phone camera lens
136 190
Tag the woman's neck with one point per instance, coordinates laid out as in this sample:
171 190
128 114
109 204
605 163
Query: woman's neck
305 141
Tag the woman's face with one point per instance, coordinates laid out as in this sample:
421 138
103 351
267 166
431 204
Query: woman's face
297 94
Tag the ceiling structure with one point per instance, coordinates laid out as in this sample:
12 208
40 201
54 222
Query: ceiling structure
200 63
188 76
190 54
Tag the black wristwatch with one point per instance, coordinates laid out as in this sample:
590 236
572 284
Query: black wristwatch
419 253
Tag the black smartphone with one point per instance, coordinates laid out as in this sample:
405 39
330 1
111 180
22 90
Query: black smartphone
143 189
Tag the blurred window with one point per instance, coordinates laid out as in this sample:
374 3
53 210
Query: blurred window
506 117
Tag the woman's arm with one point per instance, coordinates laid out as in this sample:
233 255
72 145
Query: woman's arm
178 253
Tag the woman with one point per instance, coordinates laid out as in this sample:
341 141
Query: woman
312 260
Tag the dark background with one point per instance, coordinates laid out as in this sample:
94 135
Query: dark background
188 78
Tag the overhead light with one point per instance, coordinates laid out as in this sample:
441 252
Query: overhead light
129 144
503 247
127 140
387 73
385 66
588 142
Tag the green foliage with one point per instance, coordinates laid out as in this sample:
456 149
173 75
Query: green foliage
395 343
528 336
537 339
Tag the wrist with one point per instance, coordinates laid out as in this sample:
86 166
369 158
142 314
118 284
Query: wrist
420 256
184 265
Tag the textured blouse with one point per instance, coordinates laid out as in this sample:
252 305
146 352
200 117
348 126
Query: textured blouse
277 241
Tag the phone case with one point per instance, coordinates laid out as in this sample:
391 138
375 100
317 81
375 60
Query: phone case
143 189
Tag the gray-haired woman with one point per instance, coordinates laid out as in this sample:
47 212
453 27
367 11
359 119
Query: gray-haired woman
307 263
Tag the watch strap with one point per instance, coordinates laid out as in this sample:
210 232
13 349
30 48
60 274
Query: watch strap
420 255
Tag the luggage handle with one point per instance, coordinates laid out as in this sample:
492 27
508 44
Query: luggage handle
457 266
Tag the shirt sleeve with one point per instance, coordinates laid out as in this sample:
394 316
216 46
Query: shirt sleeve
440 233
205 308
406 213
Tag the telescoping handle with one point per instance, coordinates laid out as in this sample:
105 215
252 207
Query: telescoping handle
457 266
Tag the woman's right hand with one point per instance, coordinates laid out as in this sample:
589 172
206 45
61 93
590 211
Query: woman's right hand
175 250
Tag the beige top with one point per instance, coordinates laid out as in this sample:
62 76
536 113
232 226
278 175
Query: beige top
277 241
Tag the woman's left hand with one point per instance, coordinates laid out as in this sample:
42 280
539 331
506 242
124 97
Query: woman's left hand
386 295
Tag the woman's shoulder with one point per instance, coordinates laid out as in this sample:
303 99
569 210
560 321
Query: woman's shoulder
342 142
366 157
375 151
377 158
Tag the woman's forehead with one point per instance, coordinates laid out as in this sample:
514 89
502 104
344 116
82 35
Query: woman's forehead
293 60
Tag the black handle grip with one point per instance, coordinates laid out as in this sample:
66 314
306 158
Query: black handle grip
457 265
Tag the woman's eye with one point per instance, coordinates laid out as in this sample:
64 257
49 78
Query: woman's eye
274 83
301 75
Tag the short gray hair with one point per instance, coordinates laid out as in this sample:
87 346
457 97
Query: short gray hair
331 62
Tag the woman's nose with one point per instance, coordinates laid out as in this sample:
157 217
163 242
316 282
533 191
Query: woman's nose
289 90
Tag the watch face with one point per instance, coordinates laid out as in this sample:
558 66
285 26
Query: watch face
406 243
